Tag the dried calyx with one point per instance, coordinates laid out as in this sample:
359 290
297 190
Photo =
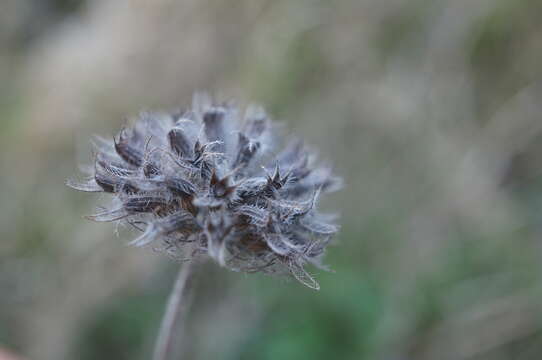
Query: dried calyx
208 181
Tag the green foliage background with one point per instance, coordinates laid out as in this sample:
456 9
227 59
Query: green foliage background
431 110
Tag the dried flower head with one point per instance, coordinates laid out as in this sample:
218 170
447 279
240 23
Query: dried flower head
205 182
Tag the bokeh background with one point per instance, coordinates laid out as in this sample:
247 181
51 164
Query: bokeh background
430 110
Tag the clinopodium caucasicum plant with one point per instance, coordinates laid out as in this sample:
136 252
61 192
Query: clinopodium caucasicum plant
215 181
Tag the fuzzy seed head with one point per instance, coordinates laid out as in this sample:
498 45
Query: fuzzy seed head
210 181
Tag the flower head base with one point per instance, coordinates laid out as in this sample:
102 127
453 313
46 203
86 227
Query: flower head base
205 182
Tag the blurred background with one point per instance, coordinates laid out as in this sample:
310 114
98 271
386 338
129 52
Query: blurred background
430 110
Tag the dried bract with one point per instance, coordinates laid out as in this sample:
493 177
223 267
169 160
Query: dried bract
211 180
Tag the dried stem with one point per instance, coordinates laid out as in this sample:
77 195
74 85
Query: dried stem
175 313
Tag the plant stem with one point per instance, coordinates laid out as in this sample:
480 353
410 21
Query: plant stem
176 310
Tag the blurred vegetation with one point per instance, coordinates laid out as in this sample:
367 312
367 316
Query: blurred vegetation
429 109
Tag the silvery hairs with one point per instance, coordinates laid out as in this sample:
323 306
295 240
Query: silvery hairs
210 181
